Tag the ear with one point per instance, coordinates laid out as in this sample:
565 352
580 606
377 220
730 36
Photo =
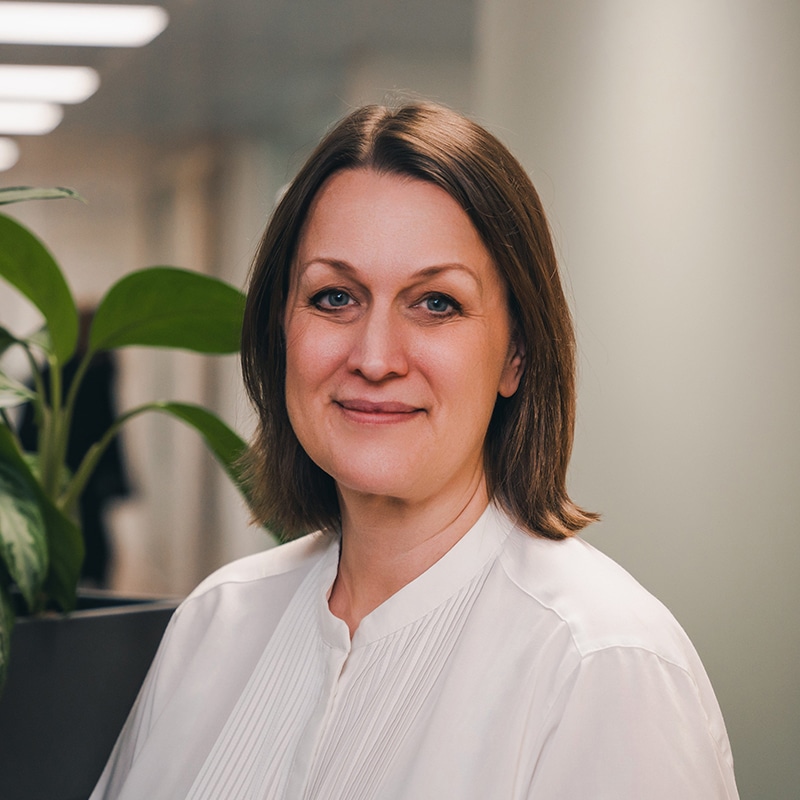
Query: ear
514 366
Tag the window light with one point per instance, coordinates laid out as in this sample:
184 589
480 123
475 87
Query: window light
55 84
24 117
91 24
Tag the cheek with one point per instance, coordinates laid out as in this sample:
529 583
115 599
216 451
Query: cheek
301 389
299 368
476 359
311 357
464 377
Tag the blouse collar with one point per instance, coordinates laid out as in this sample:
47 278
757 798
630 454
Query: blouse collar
432 588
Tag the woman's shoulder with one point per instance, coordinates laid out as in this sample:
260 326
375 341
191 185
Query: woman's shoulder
235 609
598 601
619 663
297 556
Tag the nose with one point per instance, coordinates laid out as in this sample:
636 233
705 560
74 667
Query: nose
378 350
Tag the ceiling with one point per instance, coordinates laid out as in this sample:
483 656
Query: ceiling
271 67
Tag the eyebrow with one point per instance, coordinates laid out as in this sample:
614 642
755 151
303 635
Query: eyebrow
421 274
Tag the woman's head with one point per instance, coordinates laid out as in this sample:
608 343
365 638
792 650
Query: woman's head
529 436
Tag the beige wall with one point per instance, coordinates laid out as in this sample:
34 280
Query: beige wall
664 140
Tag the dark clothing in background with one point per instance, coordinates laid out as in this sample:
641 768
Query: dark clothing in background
95 412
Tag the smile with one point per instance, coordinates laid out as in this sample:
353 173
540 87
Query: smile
366 411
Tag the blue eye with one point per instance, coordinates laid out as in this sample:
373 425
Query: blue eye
441 304
331 298
338 298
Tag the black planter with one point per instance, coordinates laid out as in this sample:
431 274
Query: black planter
72 680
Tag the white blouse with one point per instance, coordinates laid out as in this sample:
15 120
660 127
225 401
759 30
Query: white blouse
515 667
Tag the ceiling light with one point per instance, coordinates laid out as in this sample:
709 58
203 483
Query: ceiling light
20 117
9 153
56 84
80 24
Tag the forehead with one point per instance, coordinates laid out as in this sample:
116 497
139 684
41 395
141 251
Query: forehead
373 217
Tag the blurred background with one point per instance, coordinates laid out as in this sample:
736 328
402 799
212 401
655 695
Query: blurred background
663 138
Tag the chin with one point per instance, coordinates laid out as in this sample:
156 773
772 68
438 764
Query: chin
379 480
373 486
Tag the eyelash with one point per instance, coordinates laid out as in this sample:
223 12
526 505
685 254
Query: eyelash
319 297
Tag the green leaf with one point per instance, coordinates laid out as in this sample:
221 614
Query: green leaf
16 194
23 541
226 445
13 393
6 627
42 340
7 339
27 265
65 543
169 307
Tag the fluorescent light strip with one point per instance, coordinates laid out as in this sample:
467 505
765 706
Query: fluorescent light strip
90 24
22 118
9 153
54 84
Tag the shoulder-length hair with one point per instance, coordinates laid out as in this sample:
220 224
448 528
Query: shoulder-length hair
529 440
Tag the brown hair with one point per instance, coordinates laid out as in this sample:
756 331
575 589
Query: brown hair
529 440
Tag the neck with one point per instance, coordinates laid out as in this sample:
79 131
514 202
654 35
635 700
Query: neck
387 543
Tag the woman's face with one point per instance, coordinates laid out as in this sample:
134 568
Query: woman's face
398 339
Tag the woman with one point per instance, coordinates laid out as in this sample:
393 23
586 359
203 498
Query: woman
409 351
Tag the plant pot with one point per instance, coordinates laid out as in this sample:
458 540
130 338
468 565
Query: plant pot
72 681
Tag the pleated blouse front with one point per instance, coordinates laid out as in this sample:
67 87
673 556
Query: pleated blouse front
329 728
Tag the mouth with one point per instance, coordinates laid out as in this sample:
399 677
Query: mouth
377 412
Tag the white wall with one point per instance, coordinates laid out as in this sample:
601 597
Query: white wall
388 77
664 140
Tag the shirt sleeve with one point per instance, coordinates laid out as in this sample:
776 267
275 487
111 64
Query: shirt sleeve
629 725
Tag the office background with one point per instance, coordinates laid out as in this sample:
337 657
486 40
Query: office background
663 138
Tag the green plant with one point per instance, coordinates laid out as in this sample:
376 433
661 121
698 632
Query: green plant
41 547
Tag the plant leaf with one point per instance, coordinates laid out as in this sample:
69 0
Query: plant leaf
41 339
64 542
13 393
66 547
16 194
169 307
28 266
6 627
6 339
226 445
23 541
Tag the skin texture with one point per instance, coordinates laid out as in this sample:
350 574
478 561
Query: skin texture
398 341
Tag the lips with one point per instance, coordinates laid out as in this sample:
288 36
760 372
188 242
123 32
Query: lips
371 411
